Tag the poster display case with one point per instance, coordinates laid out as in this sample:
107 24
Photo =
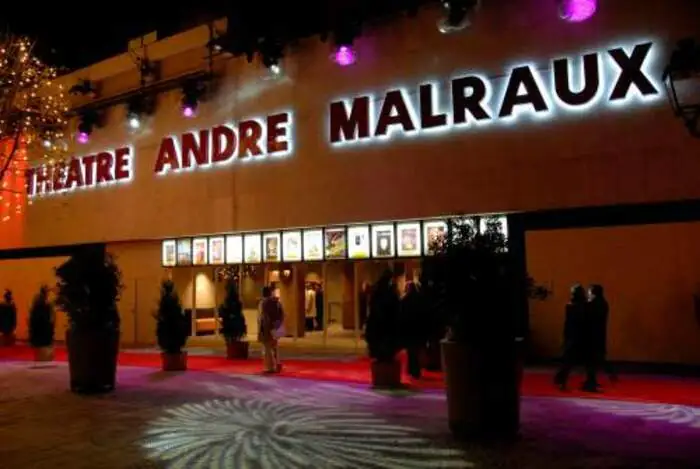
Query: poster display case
358 242
252 247
216 250
168 253
434 233
335 243
184 251
200 251
291 246
383 241
313 245
234 249
272 243
408 237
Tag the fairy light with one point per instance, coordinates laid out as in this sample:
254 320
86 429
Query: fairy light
33 118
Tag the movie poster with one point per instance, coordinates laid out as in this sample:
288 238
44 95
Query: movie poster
335 243
199 248
169 256
434 233
383 241
409 239
184 251
216 250
313 245
358 242
234 249
291 246
252 248
271 244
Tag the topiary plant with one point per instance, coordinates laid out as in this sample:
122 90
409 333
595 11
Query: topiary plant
171 321
8 314
382 332
41 320
233 326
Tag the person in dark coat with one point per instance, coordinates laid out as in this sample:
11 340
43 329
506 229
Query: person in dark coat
599 311
414 327
320 305
577 351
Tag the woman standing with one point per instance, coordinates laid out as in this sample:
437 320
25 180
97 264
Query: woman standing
270 328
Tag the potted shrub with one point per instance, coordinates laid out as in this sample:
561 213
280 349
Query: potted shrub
8 319
171 328
233 326
472 281
382 333
41 326
88 289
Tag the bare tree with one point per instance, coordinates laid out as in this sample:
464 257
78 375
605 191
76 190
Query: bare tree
33 109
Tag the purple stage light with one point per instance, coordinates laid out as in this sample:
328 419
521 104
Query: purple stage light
83 137
345 55
578 11
188 111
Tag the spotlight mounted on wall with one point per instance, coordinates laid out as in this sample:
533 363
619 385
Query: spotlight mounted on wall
271 52
192 93
344 53
457 13
577 11
682 79
137 108
88 120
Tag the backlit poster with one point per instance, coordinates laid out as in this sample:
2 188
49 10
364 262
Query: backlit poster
358 242
271 247
252 248
408 236
502 220
184 251
383 240
216 250
234 249
168 255
434 233
200 248
313 245
291 246
335 243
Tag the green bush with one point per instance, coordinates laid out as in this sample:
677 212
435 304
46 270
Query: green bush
171 321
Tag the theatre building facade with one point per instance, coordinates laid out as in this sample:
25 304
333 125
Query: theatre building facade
326 175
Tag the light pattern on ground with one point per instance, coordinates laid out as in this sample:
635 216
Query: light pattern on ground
671 413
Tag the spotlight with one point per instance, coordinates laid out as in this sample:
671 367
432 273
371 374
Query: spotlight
577 11
88 120
345 35
345 55
192 92
272 53
137 107
134 121
457 15
272 64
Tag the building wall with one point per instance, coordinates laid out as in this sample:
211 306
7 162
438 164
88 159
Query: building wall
606 156
650 275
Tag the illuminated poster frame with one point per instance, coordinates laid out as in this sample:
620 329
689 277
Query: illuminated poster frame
168 254
184 252
234 249
221 251
335 243
313 238
383 241
359 242
252 248
200 251
429 227
404 249
272 247
295 254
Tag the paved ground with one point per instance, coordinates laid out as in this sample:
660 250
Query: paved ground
202 419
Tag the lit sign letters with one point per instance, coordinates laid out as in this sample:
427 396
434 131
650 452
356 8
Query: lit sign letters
617 75
249 140
101 169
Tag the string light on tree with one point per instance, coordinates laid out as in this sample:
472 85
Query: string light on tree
33 118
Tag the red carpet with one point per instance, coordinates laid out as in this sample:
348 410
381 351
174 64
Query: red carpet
535 383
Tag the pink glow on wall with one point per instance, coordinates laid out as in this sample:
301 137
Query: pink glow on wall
577 11
345 55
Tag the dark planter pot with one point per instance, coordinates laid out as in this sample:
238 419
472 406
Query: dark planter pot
237 350
174 361
92 359
483 391
43 354
386 374
7 340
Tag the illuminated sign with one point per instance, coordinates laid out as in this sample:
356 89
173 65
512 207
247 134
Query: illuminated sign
249 140
101 169
616 77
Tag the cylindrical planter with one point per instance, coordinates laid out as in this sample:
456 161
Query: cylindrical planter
483 391
7 340
174 361
386 374
43 354
237 350
92 359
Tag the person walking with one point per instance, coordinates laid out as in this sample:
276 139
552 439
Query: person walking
599 310
270 327
320 306
413 321
577 350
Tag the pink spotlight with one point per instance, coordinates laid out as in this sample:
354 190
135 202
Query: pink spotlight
578 11
345 56
188 111
83 137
